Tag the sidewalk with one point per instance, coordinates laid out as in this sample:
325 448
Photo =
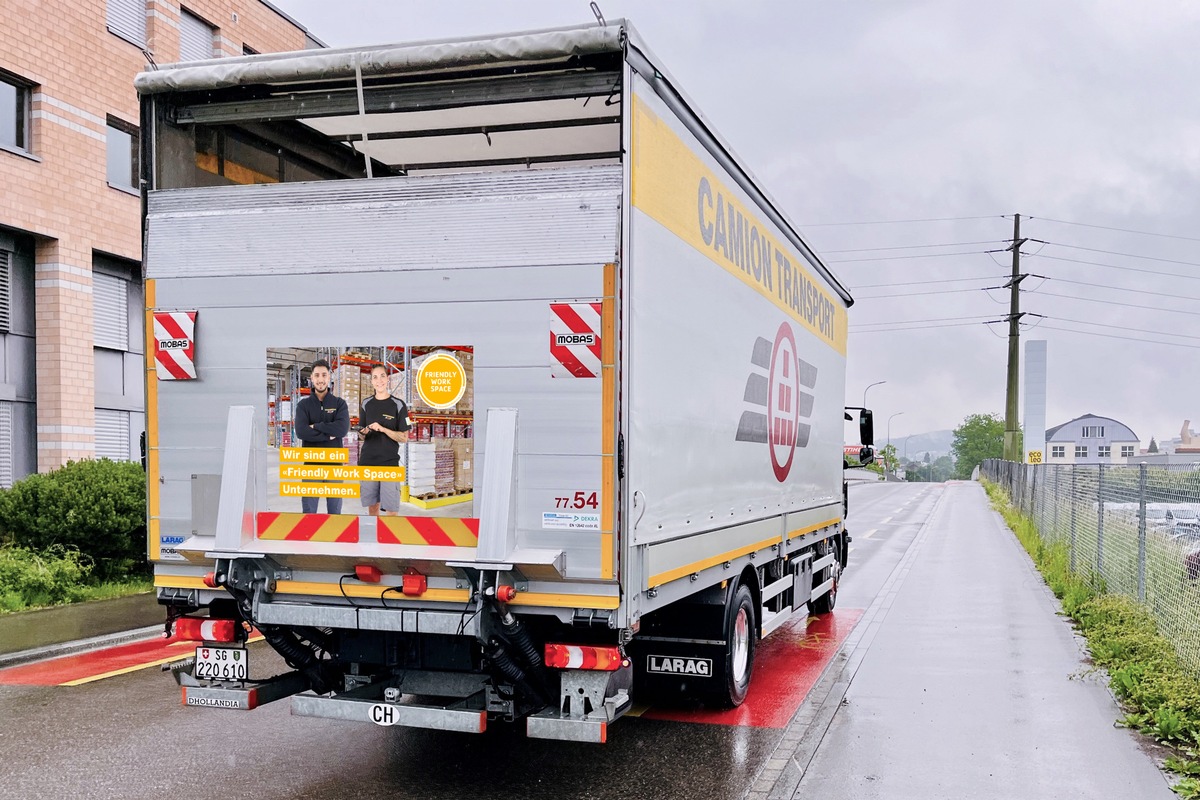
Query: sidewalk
962 681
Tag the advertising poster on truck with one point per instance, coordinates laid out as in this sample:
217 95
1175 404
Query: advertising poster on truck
387 428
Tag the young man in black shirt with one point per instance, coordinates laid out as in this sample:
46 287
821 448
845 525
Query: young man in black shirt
383 425
322 419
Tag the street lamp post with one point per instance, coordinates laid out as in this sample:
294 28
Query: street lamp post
889 439
869 385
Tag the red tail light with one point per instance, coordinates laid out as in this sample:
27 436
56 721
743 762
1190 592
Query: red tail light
206 630
576 656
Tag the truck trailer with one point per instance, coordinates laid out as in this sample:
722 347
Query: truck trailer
620 367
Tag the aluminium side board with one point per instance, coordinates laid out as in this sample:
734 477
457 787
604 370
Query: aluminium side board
707 434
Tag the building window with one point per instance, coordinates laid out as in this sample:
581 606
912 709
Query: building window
7 446
1104 451
127 19
122 139
14 112
1058 451
1093 431
110 311
247 50
112 434
1126 451
6 259
1081 451
195 38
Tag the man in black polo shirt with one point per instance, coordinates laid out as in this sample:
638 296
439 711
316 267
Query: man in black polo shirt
383 425
322 419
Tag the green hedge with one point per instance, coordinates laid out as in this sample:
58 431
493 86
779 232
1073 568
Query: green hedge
95 507
29 578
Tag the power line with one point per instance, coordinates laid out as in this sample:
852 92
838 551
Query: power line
920 283
917 328
1117 266
1116 303
1116 288
921 294
899 258
1122 338
897 221
1119 230
915 321
1134 330
1127 255
913 246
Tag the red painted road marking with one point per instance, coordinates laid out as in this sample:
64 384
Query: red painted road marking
85 667
786 667
66 669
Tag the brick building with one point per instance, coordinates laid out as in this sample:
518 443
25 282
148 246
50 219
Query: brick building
71 310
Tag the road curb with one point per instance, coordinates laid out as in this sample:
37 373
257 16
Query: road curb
78 646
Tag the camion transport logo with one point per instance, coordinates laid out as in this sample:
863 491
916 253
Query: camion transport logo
778 400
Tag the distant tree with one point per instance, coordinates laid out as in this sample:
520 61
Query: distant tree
930 469
943 468
1153 448
887 454
980 436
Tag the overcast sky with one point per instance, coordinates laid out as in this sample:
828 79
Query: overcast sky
850 113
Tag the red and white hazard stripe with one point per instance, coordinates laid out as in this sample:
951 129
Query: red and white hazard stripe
175 345
575 340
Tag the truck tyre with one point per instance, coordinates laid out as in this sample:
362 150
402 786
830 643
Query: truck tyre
825 603
741 626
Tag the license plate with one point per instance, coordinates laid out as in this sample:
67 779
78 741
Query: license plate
222 663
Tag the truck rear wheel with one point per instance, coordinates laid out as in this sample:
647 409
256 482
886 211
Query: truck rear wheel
741 624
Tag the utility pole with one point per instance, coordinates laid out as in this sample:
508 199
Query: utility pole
1012 427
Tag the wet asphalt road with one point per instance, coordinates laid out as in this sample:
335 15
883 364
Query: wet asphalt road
129 737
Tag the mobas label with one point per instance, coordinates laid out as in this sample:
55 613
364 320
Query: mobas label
588 339
665 665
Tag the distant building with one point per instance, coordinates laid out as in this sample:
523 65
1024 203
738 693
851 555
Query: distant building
1183 449
1091 440
71 374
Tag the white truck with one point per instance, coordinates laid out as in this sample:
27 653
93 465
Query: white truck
641 357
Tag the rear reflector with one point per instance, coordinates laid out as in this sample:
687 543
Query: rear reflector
206 630
576 656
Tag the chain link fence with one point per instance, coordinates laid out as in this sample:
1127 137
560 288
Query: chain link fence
1135 530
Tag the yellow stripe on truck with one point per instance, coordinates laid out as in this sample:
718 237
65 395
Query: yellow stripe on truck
534 599
674 187
153 540
608 427
697 566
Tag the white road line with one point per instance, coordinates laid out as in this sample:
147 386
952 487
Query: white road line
870 533
851 550
885 521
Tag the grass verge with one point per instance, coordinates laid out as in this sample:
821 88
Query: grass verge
1160 696
56 576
